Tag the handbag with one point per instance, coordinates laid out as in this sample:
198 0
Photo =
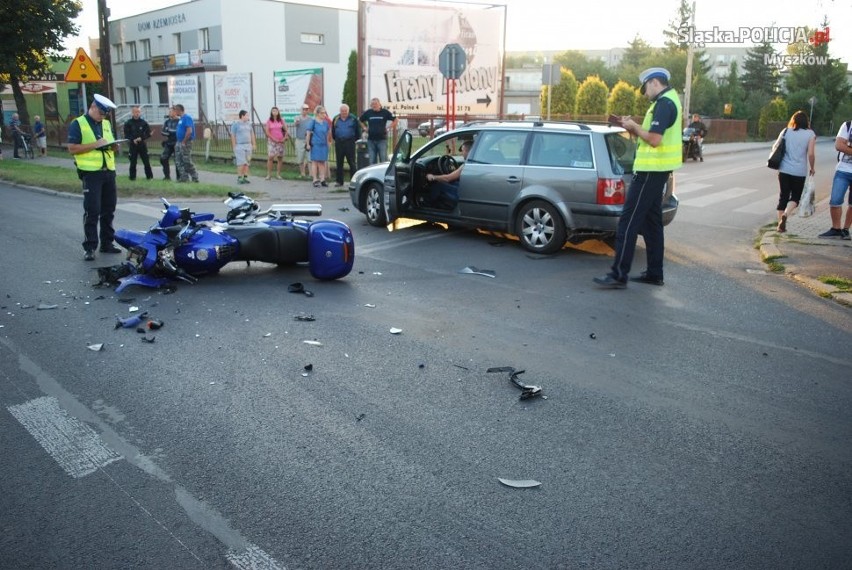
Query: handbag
806 204
777 153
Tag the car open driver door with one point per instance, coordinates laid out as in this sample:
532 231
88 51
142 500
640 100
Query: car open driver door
398 190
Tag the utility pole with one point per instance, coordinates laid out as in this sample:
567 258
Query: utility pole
687 90
105 54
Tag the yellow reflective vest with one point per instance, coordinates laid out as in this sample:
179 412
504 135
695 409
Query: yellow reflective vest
98 159
668 154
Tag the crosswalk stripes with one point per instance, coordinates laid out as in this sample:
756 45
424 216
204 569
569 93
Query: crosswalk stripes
717 197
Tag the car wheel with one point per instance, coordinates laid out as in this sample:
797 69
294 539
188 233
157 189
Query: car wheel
540 228
374 207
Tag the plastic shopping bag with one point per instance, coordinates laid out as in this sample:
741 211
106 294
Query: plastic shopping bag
806 205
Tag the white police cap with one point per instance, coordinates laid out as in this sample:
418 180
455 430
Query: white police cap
103 103
652 73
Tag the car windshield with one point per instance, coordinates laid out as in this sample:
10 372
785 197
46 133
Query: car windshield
622 151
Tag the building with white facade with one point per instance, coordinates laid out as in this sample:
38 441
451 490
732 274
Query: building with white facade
159 57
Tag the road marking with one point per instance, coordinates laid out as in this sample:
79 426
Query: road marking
765 206
689 187
717 197
712 175
141 209
369 249
252 558
73 444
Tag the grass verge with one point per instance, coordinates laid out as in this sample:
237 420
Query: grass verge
841 283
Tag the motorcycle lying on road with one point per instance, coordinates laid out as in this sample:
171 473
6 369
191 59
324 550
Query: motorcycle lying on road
184 245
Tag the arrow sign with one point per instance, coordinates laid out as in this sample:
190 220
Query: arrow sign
487 100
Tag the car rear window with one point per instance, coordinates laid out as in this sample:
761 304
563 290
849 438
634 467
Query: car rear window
622 151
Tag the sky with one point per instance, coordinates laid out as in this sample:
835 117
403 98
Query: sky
535 25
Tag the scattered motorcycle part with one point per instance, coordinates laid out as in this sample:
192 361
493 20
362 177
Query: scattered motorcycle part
527 391
395 330
309 367
299 288
44 307
304 317
312 342
474 271
154 324
96 347
148 339
520 484
131 322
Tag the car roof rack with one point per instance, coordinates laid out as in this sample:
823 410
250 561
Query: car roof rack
536 123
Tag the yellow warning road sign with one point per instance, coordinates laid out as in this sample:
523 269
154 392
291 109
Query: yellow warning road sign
82 69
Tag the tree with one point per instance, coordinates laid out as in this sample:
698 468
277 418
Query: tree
774 111
350 87
822 76
622 99
564 94
33 31
675 39
731 92
592 96
582 67
705 97
758 75
637 53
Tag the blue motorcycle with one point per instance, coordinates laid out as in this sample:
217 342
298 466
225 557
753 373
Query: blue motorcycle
184 245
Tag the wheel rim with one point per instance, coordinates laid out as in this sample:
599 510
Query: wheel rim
374 205
538 227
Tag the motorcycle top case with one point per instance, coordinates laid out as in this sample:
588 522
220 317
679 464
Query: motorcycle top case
331 249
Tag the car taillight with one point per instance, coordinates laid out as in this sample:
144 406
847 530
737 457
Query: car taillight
610 191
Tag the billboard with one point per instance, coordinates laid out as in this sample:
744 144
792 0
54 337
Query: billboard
297 87
400 56
232 92
183 89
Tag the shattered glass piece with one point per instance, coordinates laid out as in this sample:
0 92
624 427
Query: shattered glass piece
312 342
395 330
96 347
132 309
45 307
474 271
377 272
267 335
520 483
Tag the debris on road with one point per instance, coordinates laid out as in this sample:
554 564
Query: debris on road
527 391
312 342
474 271
304 317
96 347
154 324
148 339
299 288
131 322
45 307
395 330
520 484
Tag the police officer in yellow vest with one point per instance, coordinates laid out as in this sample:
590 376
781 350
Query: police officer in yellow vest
90 140
658 153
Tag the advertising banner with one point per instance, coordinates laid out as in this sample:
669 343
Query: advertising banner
184 90
403 46
297 87
232 92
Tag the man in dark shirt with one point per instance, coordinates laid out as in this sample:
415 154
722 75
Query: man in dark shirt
345 130
375 122
169 131
17 135
137 131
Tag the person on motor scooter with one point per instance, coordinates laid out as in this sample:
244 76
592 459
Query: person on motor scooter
700 133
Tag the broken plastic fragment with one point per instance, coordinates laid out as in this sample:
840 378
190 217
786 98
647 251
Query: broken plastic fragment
267 335
132 309
45 307
519 484
369 305
593 336
395 330
360 417
304 317
148 339
96 347
131 322
154 324
299 288
309 367
312 342
473 270
527 391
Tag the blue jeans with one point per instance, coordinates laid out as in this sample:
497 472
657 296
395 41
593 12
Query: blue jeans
841 183
378 150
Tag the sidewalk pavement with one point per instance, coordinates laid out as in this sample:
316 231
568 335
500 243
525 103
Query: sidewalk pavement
805 256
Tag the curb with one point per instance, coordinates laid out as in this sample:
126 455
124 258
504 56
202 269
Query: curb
769 250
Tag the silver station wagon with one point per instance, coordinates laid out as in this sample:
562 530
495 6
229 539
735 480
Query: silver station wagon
547 183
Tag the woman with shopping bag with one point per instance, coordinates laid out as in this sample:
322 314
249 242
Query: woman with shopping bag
797 164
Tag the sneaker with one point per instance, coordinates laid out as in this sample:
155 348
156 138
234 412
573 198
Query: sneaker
110 248
89 255
832 233
609 282
844 234
324 184
316 183
782 225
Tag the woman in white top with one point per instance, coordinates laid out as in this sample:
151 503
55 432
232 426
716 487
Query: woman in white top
799 141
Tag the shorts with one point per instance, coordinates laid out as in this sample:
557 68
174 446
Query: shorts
301 154
242 152
41 142
839 186
790 189
275 148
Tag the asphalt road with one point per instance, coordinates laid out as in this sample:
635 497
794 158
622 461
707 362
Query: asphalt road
703 424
